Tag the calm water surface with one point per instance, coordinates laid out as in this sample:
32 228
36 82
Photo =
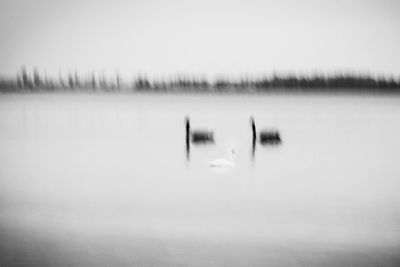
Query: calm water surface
89 180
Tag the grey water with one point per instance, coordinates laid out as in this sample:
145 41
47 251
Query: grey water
104 180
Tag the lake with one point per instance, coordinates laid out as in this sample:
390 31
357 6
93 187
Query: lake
105 180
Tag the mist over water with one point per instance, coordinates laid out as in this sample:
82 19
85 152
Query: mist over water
88 180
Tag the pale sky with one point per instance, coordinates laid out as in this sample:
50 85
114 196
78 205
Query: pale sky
206 37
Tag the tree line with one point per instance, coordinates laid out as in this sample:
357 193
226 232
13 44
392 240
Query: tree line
34 82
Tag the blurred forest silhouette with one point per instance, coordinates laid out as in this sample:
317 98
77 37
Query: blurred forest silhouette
26 82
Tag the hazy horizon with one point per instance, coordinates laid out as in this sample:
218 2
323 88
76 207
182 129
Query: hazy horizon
199 37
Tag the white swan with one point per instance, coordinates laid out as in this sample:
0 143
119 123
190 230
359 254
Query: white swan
224 162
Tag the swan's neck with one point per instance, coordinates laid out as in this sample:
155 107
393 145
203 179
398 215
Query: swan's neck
253 127
187 125
187 130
